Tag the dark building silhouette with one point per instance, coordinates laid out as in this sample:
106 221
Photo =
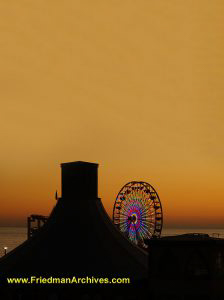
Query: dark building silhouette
188 266
78 239
34 223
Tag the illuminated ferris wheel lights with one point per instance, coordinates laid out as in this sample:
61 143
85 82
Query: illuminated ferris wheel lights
138 212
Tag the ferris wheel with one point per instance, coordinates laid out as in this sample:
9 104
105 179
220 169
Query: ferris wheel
138 212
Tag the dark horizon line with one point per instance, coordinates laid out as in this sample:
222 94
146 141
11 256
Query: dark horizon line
168 226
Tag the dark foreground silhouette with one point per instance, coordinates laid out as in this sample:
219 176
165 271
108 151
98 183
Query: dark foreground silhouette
79 240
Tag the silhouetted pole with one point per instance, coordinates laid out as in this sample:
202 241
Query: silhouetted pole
5 250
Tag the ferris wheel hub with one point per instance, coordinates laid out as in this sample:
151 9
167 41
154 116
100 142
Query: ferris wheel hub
133 218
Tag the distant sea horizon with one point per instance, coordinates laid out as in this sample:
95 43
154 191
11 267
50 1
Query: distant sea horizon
12 236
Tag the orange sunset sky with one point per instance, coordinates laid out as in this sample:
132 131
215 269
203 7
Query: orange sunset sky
136 86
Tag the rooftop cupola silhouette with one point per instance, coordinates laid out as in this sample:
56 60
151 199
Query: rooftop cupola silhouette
78 238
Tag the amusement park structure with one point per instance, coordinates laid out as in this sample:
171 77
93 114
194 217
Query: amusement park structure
34 223
138 212
79 239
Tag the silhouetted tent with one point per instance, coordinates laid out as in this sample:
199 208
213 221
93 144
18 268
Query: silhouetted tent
79 238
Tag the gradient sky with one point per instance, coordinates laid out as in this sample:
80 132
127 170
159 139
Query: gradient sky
136 86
